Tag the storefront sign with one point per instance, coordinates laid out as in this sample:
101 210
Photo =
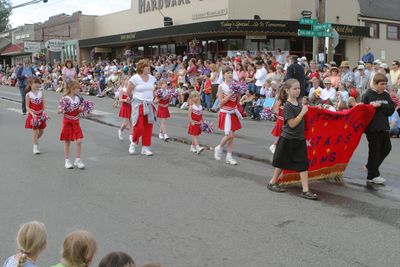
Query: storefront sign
256 36
208 14
55 45
22 36
32 47
153 5
127 37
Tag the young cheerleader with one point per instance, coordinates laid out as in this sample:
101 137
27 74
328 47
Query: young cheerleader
78 250
278 110
31 242
195 121
162 109
36 120
71 129
291 150
229 116
117 259
125 110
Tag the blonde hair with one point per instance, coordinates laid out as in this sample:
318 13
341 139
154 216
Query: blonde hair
71 85
31 239
193 94
141 65
78 249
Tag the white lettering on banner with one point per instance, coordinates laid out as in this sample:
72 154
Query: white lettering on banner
208 14
153 5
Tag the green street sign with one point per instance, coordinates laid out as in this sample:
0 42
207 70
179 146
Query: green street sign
307 21
322 27
308 33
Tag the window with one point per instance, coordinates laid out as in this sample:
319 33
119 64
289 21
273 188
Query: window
393 32
235 44
374 28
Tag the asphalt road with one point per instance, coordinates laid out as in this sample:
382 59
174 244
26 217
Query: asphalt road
180 209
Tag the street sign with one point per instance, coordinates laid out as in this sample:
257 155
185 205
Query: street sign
307 21
322 27
308 33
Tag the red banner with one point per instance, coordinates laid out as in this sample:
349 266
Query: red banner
332 138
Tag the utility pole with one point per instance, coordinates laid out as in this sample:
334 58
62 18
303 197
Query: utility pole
320 44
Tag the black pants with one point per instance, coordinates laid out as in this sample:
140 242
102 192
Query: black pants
379 147
22 92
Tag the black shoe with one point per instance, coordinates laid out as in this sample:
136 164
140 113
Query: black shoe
309 195
275 188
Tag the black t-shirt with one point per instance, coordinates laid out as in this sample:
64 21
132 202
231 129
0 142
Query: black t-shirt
291 111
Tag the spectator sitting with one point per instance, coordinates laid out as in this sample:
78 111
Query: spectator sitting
352 102
328 105
342 94
328 92
117 259
394 96
342 105
394 122
316 98
257 107
246 101
315 86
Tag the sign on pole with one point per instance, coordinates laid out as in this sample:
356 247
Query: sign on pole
308 33
322 27
307 21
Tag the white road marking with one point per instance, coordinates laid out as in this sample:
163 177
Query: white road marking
100 113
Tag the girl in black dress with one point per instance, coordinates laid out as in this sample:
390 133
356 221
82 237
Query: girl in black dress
291 150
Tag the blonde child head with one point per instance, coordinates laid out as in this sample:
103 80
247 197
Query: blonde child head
194 97
31 240
78 249
71 86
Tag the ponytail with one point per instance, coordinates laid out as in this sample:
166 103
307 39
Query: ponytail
22 259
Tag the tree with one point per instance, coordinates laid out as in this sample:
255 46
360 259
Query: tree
5 12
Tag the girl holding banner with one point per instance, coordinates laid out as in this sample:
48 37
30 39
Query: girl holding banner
291 150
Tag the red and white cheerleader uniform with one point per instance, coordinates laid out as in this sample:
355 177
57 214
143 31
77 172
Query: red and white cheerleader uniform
197 118
229 115
162 109
126 107
278 124
71 129
36 106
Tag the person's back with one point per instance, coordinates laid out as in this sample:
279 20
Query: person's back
296 71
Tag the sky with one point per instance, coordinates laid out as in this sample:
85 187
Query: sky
42 11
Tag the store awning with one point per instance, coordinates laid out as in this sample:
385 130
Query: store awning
220 27
14 49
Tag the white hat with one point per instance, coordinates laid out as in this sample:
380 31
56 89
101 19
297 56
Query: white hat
384 66
303 58
238 54
377 62
361 67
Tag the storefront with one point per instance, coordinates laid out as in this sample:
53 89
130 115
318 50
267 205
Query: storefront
213 39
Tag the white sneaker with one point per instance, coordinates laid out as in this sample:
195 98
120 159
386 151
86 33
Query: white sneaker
166 137
378 180
230 160
79 164
146 151
130 138
199 149
36 150
120 136
272 148
217 153
161 136
68 164
132 148
193 149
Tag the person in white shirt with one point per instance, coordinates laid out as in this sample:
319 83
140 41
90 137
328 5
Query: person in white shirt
279 56
315 86
328 92
261 76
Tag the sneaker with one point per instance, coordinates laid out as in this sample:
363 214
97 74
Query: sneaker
217 153
193 149
120 136
146 151
79 164
130 138
68 164
132 148
309 195
377 180
230 160
161 136
166 137
36 150
199 149
272 148
275 188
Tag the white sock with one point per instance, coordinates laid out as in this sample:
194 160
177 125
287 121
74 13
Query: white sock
66 160
229 155
77 159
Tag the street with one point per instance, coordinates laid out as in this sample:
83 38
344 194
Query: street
186 210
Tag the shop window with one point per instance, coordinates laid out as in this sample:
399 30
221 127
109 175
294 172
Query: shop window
374 28
283 44
296 45
222 45
171 49
235 44
163 49
393 32
250 45
266 45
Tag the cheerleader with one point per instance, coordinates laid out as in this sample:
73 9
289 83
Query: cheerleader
162 109
291 150
278 110
229 116
195 121
71 130
125 110
35 106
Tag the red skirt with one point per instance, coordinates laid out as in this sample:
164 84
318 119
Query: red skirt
71 130
194 130
278 128
28 123
125 111
163 112
235 122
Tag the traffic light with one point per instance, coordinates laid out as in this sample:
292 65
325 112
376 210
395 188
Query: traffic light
168 21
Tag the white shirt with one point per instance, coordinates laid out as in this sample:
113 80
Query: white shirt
328 94
261 76
143 90
312 90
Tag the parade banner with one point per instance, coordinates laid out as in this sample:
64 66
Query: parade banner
332 138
